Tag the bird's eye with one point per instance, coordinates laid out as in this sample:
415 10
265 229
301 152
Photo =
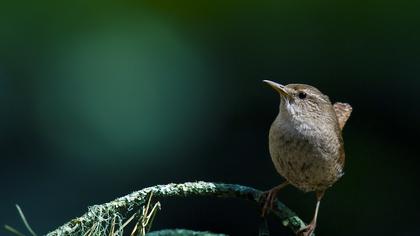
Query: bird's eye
302 95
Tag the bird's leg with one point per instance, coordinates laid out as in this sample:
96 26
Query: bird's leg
270 197
309 229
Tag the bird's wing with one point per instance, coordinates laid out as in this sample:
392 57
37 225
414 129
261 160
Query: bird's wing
343 111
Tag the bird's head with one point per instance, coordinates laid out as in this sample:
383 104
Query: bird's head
303 102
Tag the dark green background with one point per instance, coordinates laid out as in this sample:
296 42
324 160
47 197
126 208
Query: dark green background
101 99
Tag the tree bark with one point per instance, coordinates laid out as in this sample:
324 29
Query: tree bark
120 209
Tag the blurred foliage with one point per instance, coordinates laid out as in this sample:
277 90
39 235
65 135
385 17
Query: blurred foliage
98 99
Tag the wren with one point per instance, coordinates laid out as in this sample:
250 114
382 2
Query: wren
305 143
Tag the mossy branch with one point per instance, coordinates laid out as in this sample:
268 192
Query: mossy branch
115 212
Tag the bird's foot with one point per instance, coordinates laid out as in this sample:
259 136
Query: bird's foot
269 198
308 230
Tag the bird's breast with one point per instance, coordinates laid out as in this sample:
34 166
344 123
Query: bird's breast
307 158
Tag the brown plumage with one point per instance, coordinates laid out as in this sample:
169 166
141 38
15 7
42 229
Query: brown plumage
343 111
305 142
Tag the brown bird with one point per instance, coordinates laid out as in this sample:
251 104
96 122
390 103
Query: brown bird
305 142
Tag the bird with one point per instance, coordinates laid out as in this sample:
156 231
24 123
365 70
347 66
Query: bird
306 144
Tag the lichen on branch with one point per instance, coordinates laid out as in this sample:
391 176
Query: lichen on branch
115 215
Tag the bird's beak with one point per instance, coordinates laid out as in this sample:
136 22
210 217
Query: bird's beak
278 87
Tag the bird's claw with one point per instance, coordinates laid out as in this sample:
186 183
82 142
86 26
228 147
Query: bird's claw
307 231
269 197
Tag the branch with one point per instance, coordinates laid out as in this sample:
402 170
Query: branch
115 212
184 232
